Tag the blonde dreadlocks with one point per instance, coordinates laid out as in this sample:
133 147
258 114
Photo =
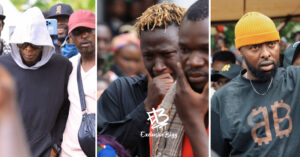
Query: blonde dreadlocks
160 15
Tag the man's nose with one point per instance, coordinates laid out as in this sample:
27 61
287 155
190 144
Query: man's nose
84 34
159 65
196 59
265 52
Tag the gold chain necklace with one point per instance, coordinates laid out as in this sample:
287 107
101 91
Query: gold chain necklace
256 90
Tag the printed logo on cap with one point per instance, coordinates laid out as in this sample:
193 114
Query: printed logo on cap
58 9
226 67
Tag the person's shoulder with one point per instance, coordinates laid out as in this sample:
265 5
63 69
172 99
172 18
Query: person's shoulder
231 87
131 81
127 83
125 86
75 58
288 72
5 58
59 58
291 69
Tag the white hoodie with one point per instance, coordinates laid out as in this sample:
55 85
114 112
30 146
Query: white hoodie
31 28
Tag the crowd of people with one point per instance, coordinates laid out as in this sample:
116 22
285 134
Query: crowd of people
150 89
173 46
40 85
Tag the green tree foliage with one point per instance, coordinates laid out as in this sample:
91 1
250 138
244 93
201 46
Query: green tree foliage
22 5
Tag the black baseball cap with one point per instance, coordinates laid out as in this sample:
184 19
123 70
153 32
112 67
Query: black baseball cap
229 71
291 53
60 9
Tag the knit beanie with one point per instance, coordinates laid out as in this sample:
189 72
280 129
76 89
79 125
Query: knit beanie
254 28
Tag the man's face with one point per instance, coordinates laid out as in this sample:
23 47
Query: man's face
261 59
128 58
30 53
159 49
84 39
104 39
297 37
220 83
62 27
193 42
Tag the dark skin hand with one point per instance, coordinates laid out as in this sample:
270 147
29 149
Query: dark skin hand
157 89
192 108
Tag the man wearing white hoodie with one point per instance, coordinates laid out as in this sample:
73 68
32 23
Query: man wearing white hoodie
41 78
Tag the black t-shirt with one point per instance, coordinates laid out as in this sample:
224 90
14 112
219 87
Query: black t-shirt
121 113
244 123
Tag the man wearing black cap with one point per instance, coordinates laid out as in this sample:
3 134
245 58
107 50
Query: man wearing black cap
227 73
61 12
4 48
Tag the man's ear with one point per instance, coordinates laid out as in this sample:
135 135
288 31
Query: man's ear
70 41
70 36
240 52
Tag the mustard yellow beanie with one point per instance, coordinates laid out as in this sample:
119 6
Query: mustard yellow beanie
254 28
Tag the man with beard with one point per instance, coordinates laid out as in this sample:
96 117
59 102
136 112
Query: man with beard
187 99
61 12
123 107
255 113
82 31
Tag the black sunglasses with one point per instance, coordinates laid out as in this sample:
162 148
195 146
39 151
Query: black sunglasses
25 45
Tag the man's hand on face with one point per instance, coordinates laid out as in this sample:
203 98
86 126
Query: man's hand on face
157 89
190 105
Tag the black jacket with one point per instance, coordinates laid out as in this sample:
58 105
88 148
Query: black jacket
121 113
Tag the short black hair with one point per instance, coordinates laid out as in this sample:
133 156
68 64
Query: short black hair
198 11
224 56
296 54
